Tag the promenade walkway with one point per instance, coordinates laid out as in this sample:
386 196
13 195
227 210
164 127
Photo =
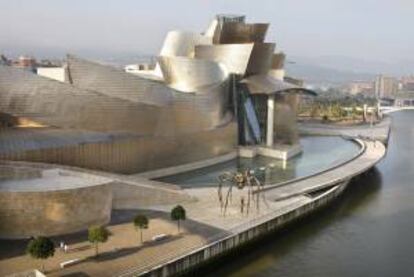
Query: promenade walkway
123 256
374 151
379 131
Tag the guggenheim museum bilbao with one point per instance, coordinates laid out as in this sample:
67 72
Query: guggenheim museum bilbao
65 145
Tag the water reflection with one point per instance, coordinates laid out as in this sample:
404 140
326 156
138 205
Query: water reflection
318 153
288 252
366 232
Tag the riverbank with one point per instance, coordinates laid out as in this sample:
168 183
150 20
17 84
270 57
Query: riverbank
366 232
379 131
207 233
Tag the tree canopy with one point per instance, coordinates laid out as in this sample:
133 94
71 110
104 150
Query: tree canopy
178 213
98 234
41 248
141 221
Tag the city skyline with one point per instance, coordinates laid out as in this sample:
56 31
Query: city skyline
368 30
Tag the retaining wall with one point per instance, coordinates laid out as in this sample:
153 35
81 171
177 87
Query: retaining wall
249 232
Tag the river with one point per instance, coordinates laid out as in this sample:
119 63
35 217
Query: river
368 231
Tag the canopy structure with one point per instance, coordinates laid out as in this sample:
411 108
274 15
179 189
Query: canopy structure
268 85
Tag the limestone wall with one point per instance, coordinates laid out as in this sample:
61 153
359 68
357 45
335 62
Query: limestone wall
48 213
132 196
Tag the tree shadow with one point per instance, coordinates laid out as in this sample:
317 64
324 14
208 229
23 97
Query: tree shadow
122 252
13 248
75 274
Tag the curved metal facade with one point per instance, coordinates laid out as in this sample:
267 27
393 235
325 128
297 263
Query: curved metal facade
188 104
114 152
181 44
261 58
114 82
240 32
206 108
278 61
191 75
24 94
235 57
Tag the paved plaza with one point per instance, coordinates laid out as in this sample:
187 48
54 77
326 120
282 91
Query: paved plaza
123 252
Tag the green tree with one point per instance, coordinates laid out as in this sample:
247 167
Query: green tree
178 214
96 235
41 248
141 222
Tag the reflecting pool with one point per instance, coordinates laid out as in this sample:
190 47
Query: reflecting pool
319 153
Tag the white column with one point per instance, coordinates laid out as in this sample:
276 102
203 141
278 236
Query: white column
270 120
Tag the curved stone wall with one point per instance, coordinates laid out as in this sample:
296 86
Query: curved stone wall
52 212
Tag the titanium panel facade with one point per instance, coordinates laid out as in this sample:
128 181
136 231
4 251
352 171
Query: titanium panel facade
260 61
184 112
118 153
181 44
240 32
235 57
192 75
115 82
278 61
52 103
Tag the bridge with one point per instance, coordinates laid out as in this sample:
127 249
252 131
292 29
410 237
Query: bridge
392 109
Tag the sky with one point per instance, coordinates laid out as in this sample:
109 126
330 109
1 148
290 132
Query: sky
380 30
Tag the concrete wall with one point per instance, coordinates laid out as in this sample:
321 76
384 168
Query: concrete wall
48 213
132 196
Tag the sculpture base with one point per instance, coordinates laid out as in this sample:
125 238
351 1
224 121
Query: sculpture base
279 151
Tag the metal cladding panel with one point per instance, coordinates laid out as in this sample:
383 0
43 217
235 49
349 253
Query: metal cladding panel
178 43
266 84
278 61
114 152
261 58
235 57
52 103
191 75
240 32
285 125
114 82
182 112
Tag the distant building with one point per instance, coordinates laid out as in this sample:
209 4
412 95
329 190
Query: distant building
25 62
385 87
409 86
407 83
360 88
404 99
